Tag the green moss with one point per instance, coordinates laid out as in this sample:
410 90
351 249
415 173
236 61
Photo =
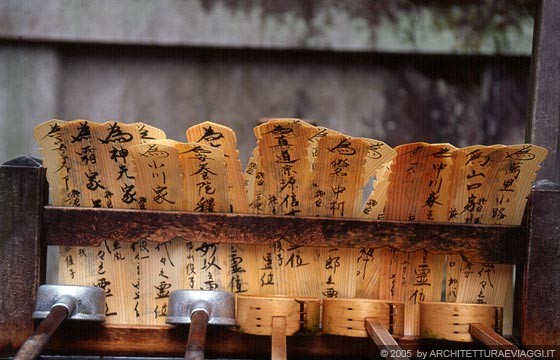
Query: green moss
430 334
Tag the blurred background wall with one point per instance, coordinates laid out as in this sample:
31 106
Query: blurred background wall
398 71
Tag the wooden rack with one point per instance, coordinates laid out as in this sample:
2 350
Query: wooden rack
32 226
29 225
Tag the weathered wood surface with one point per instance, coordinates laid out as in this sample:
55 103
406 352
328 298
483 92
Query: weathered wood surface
221 342
540 318
544 101
23 190
88 226
489 337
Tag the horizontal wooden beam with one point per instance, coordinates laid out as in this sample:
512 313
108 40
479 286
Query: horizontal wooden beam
88 227
92 339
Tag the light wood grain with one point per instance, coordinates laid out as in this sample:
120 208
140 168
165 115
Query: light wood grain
450 321
255 314
159 182
53 150
86 265
346 317
205 186
278 347
223 138
383 339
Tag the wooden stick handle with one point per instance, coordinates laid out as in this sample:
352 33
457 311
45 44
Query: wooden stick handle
278 338
486 335
32 347
197 336
383 339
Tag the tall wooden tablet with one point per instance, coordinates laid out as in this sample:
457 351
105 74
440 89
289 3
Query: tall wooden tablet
159 184
112 141
55 159
338 176
419 189
241 258
205 186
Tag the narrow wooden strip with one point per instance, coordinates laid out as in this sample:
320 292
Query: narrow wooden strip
55 159
87 226
162 270
383 339
278 351
489 337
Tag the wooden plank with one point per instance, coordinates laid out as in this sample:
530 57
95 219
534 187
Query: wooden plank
23 191
478 243
278 349
159 180
383 339
540 320
221 342
486 335
544 102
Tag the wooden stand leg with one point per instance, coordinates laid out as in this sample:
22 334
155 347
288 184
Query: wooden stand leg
278 338
383 339
23 192
490 338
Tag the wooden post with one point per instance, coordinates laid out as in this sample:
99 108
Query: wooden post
544 102
538 317
539 322
23 192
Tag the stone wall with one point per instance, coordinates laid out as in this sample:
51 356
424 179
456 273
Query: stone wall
399 71
396 71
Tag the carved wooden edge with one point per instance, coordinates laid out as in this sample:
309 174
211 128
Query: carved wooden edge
88 227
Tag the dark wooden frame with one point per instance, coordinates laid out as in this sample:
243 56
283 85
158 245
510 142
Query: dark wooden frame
88 226
28 227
